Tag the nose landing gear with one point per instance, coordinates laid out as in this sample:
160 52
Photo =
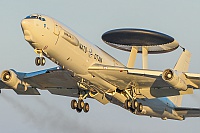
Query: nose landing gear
80 105
39 60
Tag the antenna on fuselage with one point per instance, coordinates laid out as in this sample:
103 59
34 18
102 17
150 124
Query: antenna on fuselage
140 41
133 55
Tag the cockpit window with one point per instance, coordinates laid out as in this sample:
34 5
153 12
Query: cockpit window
43 19
35 17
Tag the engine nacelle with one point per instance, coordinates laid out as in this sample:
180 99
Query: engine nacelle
10 78
176 79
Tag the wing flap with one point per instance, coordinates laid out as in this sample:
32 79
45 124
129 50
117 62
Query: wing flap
29 91
188 112
3 85
64 92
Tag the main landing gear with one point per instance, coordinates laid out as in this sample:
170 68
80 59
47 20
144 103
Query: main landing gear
80 105
133 104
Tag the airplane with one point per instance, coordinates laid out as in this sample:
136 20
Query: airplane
86 71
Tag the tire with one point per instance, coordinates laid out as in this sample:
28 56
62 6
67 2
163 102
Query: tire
132 110
37 61
127 104
81 104
86 107
139 107
74 104
42 61
78 110
134 104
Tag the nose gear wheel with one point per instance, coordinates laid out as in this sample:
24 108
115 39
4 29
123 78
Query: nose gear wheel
40 61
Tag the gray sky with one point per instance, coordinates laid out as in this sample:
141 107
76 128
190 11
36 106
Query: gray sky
91 18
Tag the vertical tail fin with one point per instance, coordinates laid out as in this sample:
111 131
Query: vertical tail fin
182 65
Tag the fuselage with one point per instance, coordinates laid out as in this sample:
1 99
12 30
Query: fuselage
70 51
63 46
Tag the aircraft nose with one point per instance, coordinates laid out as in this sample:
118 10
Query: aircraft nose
26 27
25 24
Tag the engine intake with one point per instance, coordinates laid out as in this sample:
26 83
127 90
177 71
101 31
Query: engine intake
175 78
11 79
168 75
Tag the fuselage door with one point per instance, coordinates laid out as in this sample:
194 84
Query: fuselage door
56 29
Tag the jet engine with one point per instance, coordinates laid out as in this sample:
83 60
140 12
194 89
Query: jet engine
176 79
10 78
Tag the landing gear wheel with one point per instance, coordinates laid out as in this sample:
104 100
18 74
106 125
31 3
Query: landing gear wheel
74 104
139 107
134 104
78 110
42 61
127 104
132 110
37 61
86 107
81 104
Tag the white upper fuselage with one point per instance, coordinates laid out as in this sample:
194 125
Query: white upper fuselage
70 51
56 41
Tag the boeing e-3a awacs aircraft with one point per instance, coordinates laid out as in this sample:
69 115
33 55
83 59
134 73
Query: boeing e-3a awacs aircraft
85 70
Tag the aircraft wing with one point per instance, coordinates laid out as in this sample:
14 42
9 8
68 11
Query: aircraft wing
56 81
149 82
29 91
3 85
188 112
